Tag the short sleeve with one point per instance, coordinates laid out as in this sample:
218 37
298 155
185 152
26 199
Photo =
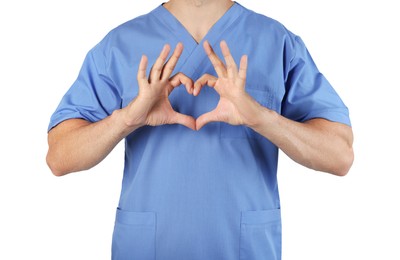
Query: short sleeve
93 96
308 93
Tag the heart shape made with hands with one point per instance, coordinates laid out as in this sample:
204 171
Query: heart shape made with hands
152 105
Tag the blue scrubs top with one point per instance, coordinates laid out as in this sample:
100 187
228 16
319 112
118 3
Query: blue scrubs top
210 194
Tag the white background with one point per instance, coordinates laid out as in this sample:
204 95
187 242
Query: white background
43 43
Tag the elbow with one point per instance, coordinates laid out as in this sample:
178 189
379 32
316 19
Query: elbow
60 164
55 165
344 164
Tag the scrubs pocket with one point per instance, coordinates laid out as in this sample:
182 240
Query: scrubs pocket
134 236
260 235
265 98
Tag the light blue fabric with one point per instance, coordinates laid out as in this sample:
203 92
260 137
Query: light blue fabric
210 194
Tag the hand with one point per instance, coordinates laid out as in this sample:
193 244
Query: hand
152 106
235 106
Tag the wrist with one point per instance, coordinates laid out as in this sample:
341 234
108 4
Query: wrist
262 118
124 123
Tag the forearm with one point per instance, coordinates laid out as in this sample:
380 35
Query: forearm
317 144
76 144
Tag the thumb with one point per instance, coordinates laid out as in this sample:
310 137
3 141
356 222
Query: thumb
206 118
185 120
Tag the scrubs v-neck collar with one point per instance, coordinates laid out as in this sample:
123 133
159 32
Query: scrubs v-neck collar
193 53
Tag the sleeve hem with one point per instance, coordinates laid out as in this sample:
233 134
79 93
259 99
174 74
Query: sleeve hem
330 115
60 118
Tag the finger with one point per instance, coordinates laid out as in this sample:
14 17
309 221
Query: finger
206 118
243 67
181 78
171 63
156 70
204 80
141 75
185 120
219 66
230 62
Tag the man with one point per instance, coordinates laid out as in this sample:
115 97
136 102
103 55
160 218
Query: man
202 128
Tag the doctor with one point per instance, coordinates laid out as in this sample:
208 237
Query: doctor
202 125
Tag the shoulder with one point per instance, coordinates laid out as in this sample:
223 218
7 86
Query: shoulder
261 25
264 29
136 24
131 32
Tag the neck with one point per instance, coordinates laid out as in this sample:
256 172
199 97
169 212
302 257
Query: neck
199 3
198 16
